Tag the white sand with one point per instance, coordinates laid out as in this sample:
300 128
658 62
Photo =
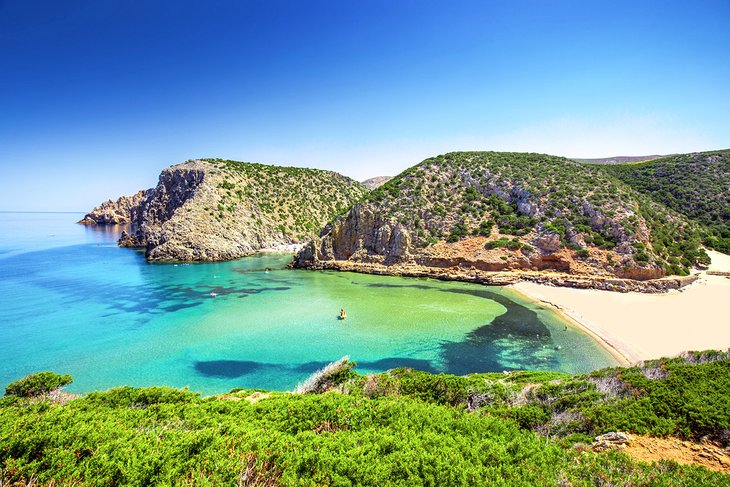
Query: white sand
646 326
288 248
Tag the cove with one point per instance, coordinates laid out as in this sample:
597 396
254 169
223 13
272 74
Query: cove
109 318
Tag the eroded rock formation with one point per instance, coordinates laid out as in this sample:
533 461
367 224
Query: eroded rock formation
120 212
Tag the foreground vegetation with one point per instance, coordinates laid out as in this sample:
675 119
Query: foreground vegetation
402 427
696 185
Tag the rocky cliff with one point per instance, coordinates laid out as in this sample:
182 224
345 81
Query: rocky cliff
120 212
211 210
486 211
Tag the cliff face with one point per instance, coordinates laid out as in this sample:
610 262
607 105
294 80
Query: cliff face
211 210
500 212
120 212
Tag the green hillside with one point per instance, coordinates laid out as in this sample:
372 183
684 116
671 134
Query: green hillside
210 210
396 428
300 200
520 200
696 185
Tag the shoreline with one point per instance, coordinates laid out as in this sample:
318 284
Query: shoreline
648 326
632 320
505 278
623 356
291 248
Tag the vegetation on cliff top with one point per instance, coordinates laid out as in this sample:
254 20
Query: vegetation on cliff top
532 196
397 428
696 185
35 385
300 201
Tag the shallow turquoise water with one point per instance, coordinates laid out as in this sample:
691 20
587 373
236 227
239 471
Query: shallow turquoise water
74 303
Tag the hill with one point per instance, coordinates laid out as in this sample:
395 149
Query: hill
400 427
696 185
618 159
213 209
490 211
375 182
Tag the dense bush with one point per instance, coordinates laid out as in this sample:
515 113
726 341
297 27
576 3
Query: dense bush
695 185
685 399
687 396
35 385
397 428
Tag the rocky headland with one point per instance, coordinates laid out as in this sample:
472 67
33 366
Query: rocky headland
123 211
213 210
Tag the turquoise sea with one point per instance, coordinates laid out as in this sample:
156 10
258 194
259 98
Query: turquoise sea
73 302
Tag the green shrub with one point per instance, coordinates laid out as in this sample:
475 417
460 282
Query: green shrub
641 256
694 185
402 427
329 376
35 385
459 230
513 244
141 397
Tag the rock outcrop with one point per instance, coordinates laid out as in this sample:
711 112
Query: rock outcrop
212 210
494 277
123 211
609 441
366 236
376 182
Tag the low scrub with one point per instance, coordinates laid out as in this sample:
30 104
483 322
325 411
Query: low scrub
401 427
328 377
38 384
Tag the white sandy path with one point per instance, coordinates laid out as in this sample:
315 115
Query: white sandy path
646 326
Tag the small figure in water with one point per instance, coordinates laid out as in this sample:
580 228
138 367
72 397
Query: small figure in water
343 315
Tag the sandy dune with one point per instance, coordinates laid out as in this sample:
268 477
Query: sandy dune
645 326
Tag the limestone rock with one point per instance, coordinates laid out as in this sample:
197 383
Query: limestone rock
549 242
119 212
363 235
376 182
211 210
608 441
640 273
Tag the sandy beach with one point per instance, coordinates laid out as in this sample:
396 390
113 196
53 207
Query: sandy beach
646 326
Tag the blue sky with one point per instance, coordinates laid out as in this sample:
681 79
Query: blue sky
96 97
